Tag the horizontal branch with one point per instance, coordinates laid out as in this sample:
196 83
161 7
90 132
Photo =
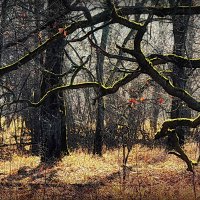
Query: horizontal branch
130 10
156 59
60 88
104 90
173 123
181 61
121 82
160 11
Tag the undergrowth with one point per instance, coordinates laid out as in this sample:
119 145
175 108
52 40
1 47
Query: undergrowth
150 174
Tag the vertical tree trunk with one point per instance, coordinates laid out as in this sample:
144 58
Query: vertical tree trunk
157 89
32 118
2 28
179 75
155 110
2 25
53 129
98 141
70 123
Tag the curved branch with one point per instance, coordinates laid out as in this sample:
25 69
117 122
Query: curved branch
91 32
167 85
105 53
57 89
173 123
101 17
69 29
173 58
180 153
104 90
148 68
118 18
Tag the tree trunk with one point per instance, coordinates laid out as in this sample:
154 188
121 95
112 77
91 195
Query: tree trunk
98 141
53 129
179 75
157 89
3 16
2 27
32 119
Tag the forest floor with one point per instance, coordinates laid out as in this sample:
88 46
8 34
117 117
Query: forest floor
151 174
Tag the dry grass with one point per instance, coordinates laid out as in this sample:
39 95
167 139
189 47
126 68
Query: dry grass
151 174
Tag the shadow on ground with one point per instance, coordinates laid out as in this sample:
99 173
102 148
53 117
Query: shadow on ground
41 183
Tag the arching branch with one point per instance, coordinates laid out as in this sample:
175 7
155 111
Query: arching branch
173 123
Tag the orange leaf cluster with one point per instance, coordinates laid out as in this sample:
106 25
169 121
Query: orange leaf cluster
135 101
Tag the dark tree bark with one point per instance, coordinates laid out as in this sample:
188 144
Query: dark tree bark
53 129
31 117
98 140
179 75
2 28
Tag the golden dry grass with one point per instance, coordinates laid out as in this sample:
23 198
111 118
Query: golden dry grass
151 174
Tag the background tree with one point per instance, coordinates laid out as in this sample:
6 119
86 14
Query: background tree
98 139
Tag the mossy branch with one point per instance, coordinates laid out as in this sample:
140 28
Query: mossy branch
104 90
101 17
122 20
168 128
57 89
157 59
29 56
148 68
179 151
69 29
173 123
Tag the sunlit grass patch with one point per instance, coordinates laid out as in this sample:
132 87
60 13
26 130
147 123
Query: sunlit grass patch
82 168
151 174
18 161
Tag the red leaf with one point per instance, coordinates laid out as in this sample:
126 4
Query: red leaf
132 100
160 100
